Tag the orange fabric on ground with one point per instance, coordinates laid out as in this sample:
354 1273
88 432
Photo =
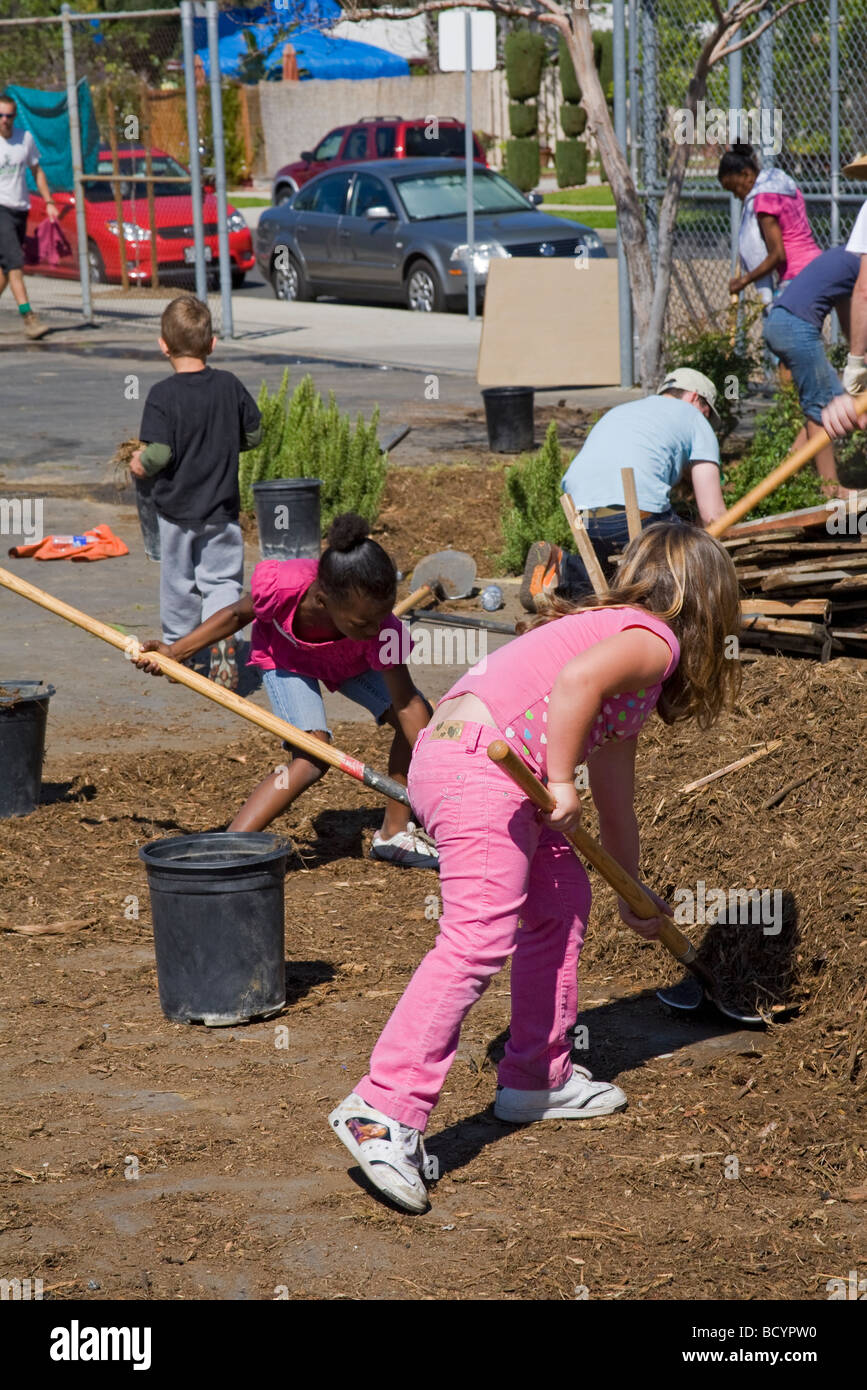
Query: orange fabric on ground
100 543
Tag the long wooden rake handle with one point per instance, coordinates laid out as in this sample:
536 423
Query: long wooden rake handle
131 647
624 885
784 470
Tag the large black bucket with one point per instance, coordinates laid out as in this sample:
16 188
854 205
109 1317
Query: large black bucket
147 517
23 716
509 416
217 908
287 514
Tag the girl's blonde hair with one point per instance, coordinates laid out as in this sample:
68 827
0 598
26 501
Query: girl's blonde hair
683 576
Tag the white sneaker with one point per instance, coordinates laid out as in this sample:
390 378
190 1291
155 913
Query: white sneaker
410 848
390 1154
577 1099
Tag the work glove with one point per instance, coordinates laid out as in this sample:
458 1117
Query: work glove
855 375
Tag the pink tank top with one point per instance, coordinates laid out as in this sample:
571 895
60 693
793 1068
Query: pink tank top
515 682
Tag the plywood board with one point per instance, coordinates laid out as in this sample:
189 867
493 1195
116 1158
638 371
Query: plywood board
550 323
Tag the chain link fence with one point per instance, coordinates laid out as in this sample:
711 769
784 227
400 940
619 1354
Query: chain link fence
135 242
803 87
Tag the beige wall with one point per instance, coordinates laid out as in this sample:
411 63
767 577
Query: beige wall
295 115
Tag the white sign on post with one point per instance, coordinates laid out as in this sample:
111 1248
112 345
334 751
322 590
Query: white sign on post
468 44
452 46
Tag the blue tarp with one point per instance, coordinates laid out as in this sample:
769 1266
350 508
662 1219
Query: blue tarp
300 23
45 115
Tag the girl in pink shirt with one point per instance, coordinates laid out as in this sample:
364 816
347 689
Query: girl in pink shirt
326 620
577 688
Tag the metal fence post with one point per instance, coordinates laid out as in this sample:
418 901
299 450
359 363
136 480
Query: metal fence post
228 327
633 89
650 122
766 88
624 298
736 103
834 74
469 157
77 163
193 141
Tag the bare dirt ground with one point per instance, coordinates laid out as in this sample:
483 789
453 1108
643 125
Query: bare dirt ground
242 1191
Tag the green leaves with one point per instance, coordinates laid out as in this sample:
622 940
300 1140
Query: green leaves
303 437
775 434
531 506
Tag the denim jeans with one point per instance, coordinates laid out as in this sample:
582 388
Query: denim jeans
799 346
607 534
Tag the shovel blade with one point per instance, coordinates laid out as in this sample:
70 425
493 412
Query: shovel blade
451 571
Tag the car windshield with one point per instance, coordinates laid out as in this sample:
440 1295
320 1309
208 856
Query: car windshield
429 196
132 169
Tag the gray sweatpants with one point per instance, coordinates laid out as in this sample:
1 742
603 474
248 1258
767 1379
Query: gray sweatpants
201 571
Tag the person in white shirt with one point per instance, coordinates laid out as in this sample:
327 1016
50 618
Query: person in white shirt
840 417
18 153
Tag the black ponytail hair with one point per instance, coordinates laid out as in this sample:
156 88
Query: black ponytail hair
355 564
736 160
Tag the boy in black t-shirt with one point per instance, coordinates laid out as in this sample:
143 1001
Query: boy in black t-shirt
195 424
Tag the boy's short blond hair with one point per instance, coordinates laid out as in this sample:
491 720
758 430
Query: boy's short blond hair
186 327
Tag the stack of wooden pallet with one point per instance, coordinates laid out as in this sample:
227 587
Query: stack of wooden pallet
804 579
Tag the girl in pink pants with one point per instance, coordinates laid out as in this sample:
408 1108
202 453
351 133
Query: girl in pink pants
578 687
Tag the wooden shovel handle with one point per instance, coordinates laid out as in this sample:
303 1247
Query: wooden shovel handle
130 646
624 885
423 595
784 470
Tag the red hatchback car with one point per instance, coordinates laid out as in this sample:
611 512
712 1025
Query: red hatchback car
173 219
375 137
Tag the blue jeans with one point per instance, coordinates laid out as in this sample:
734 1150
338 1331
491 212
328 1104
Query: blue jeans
607 533
298 699
799 346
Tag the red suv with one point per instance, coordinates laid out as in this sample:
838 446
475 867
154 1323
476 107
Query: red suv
375 137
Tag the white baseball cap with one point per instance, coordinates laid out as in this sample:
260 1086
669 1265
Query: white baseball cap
687 379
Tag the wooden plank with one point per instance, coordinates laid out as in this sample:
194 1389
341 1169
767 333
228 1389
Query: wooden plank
815 566
805 607
792 627
793 579
806 516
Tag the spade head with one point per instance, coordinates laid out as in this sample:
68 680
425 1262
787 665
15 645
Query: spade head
688 995
450 573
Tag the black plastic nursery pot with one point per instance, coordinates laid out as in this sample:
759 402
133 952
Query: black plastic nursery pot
509 417
217 910
147 517
288 517
23 717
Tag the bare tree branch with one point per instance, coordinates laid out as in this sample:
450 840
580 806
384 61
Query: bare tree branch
754 34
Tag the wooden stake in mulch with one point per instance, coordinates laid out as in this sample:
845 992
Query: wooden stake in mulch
584 544
734 767
630 497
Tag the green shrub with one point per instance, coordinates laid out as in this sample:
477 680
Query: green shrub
531 503
573 119
603 55
775 434
729 368
570 161
568 81
524 55
523 118
523 165
303 437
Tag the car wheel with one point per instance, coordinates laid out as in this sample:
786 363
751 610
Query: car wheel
238 278
287 278
283 194
96 265
424 293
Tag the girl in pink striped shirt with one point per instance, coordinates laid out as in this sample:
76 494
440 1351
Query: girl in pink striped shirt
577 688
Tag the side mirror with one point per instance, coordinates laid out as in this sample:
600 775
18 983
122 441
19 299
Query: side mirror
307 156
535 199
380 214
